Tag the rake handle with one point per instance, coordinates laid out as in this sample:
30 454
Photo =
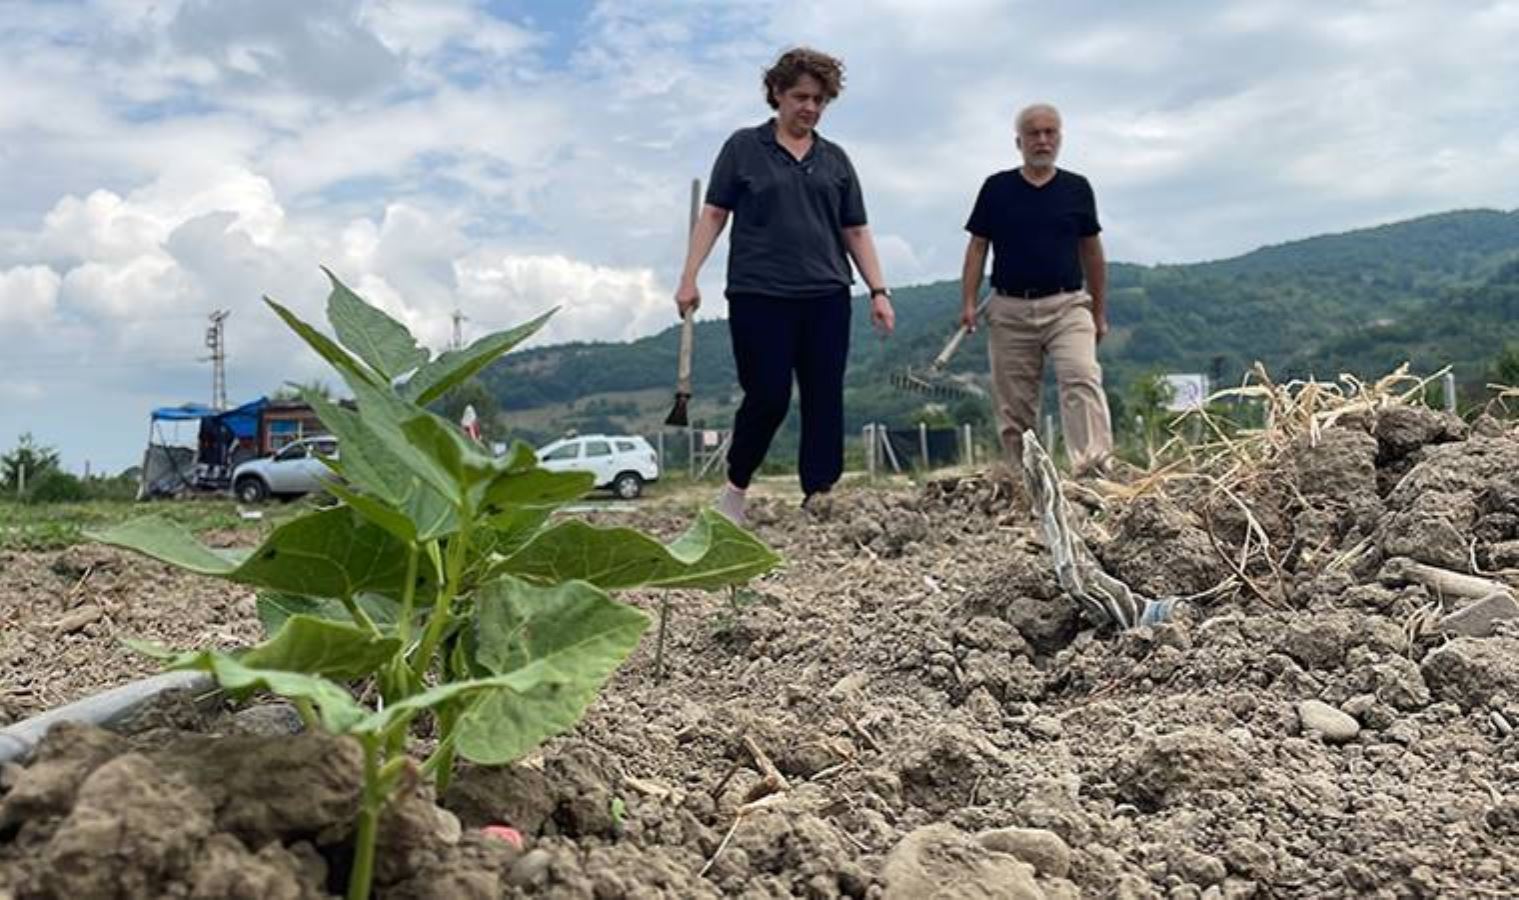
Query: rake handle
683 370
943 358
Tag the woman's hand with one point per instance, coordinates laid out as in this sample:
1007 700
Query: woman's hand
882 316
687 298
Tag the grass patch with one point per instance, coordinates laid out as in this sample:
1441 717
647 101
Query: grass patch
54 526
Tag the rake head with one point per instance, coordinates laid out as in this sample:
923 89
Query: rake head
934 382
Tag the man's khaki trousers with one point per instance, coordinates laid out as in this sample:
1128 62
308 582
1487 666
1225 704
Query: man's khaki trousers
1022 332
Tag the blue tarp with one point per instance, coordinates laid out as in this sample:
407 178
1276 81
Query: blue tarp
242 420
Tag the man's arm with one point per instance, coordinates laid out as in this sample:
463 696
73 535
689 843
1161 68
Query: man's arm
970 280
1094 266
709 224
862 249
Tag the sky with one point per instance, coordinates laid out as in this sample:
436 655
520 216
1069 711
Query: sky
163 160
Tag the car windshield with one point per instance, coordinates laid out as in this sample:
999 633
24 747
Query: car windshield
597 448
294 451
568 451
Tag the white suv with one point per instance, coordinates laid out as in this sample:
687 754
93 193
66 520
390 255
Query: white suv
619 462
296 469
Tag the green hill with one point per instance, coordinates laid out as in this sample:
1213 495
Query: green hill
1436 290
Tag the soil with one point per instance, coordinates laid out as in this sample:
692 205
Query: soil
946 722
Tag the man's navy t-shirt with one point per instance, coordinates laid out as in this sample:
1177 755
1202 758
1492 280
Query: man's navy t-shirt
1035 231
789 214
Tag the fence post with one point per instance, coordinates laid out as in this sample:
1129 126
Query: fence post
660 446
969 454
923 444
20 480
1450 391
868 435
691 451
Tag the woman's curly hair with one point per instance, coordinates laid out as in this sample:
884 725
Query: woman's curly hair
799 61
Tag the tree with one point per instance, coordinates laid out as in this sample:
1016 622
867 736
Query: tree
1505 369
29 458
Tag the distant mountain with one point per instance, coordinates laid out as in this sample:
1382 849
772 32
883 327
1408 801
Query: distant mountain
1434 290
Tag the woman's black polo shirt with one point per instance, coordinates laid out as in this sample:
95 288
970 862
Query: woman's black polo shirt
789 215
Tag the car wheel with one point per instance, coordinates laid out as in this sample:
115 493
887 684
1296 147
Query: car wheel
627 485
252 490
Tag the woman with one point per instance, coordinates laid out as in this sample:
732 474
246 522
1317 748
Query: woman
798 218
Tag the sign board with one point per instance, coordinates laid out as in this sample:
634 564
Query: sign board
1188 391
710 439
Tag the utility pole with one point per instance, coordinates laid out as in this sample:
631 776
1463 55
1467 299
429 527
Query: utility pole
459 319
216 339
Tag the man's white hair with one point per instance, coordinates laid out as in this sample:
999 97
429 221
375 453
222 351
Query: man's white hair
1032 110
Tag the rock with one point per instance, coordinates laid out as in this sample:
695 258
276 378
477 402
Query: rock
1469 671
1335 726
1477 619
132 829
1403 428
531 869
941 862
1044 850
1166 767
1340 466
269 720
1047 727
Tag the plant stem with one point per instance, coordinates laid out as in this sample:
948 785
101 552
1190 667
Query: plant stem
438 767
359 615
444 603
659 642
408 597
360 878
308 713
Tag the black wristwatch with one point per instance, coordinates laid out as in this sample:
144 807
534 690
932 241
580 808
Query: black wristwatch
881 292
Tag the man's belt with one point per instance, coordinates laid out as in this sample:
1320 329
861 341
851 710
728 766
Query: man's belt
1036 293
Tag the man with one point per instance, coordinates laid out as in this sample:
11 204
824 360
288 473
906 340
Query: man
798 219
1050 283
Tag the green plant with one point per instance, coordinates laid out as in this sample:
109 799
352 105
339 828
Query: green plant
440 575
56 486
27 460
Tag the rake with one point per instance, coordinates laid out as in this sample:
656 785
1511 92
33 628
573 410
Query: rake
933 381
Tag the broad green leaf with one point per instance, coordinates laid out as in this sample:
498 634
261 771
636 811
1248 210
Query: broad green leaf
319 647
274 608
329 553
536 487
434 379
386 416
451 449
559 644
338 711
712 553
521 499
401 500
571 632
351 369
506 725
370 334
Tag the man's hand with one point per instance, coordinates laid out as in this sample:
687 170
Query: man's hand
1100 319
687 298
968 317
882 315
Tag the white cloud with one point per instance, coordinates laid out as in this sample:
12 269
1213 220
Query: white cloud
28 296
